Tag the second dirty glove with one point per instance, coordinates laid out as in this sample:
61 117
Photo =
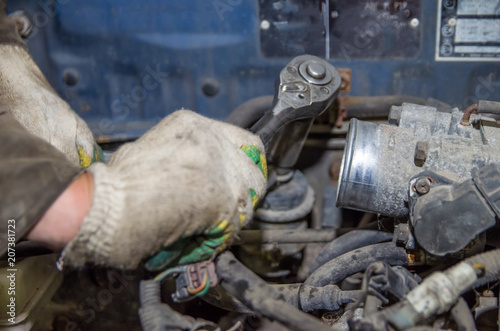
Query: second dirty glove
27 96
189 176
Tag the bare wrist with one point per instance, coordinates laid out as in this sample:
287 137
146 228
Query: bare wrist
63 219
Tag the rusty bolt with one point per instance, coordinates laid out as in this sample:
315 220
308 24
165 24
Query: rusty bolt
346 83
422 185
416 257
421 151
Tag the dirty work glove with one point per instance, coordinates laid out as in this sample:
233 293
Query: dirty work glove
205 244
27 96
186 177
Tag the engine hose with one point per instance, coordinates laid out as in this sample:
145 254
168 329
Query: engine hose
305 297
250 112
379 106
219 298
309 298
356 261
156 315
257 295
491 260
348 242
463 316
438 292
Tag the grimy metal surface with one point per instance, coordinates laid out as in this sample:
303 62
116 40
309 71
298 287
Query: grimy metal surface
379 160
123 65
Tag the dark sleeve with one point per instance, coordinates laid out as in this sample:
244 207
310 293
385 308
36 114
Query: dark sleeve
33 174
8 29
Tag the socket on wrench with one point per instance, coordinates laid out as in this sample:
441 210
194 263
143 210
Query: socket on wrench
305 88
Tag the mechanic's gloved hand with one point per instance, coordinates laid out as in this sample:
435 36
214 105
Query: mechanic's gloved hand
27 96
188 176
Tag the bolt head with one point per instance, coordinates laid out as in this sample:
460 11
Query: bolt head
421 151
265 25
316 70
422 185
395 115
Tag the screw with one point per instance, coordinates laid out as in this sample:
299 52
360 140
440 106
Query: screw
265 25
422 185
446 49
325 90
449 3
291 70
414 22
316 70
447 30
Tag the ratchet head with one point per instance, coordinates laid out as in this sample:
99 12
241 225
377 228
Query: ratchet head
305 88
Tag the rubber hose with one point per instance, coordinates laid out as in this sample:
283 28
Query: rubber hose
219 298
257 295
348 242
155 315
489 107
463 316
376 106
149 293
404 314
491 260
305 297
250 112
309 298
356 261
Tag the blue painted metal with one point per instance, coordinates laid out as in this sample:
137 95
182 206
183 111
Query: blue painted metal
140 60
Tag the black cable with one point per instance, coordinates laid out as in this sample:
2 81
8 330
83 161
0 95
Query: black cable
257 295
355 261
348 242
156 315
250 112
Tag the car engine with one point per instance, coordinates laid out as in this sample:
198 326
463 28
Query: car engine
381 122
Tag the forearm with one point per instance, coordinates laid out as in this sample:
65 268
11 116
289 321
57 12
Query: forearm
62 220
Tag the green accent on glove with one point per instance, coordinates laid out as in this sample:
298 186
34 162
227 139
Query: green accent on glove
193 249
204 245
98 154
257 156
165 257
